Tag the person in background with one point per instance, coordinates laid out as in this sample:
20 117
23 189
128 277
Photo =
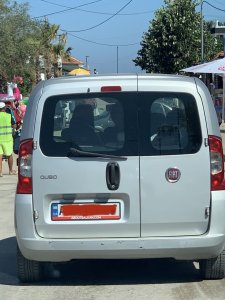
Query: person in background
22 108
17 118
9 110
6 138
16 92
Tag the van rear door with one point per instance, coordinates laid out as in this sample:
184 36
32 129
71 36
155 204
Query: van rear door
174 164
86 174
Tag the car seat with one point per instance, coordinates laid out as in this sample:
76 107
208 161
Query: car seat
173 134
157 120
81 128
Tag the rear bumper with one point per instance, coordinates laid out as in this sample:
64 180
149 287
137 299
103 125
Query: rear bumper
65 250
58 250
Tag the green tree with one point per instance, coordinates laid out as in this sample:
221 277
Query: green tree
173 40
52 48
28 46
16 33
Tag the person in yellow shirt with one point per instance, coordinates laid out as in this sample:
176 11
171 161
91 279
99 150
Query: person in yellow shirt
6 138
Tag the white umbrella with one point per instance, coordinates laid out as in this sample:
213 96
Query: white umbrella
214 67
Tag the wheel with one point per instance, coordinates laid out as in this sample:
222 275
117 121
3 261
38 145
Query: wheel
29 270
213 268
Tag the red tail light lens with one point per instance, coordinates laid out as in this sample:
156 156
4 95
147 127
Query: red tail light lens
217 163
24 185
111 89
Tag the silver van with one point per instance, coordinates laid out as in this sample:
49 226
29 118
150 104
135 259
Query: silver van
132 170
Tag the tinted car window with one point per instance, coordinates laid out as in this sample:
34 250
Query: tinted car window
93 123
170 124
144 123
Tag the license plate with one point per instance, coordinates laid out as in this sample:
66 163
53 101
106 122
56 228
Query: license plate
85 211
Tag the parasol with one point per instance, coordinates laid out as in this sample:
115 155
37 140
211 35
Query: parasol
79 71
214 67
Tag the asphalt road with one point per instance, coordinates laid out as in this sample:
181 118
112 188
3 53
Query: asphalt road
90 280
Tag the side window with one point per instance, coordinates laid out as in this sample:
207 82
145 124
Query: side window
174 125
62 114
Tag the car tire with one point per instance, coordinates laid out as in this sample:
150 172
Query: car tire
29 270
213 268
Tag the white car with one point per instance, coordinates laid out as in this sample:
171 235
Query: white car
149 184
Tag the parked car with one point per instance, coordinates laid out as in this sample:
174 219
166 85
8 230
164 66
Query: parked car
148 184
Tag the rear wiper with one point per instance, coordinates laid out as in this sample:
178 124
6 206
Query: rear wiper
74 152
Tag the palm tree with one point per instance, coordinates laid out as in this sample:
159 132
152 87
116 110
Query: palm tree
59 53
52 48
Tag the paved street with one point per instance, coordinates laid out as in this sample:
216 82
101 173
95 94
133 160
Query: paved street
90 280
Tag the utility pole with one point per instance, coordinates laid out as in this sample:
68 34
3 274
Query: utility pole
202 33
86 63
117 59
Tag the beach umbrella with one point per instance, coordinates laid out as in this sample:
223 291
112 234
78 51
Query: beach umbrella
213 67
79 71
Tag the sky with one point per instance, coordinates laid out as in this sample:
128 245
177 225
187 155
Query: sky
106 34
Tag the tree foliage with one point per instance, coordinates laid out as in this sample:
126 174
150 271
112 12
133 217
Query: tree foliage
50 48
16 36
25 43
173 40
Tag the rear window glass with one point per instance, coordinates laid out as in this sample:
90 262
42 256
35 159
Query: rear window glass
171 125
91 123
125 123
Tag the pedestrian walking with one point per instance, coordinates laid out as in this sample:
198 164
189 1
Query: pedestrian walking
6 138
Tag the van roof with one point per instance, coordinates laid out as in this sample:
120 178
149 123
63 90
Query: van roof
65 79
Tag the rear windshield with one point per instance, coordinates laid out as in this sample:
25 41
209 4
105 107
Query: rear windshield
127 124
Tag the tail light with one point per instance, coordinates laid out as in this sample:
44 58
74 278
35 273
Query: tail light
24 185
217 163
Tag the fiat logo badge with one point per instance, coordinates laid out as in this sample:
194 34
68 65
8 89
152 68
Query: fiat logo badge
172 174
